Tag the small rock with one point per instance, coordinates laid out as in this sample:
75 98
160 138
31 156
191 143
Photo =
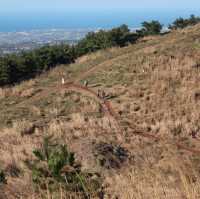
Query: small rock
136 108
197 96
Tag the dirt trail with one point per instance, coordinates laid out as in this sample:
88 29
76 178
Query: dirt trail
105 104
179 145
105 63
99 66
112 115
107 107
84 75
73 85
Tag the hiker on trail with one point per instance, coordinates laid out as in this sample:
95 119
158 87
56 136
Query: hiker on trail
99 93
63 80
103 94
194 134
86 83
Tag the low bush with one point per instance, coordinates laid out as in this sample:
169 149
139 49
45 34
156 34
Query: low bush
181 23
55 166
2 177
150 28
110 156
15 68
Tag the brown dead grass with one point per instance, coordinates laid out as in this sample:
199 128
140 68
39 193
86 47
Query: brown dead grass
155 84
146 183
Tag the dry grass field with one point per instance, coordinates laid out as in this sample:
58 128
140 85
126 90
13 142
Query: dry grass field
152 112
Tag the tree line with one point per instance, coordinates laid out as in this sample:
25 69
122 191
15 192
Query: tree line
182 23
15 68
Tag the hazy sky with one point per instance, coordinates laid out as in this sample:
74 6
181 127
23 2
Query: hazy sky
8 6
19 15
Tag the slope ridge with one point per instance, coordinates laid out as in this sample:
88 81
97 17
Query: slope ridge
155 97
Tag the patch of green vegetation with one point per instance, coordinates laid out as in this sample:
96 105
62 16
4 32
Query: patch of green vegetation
196 46
150 28
55 165
2 177
182 23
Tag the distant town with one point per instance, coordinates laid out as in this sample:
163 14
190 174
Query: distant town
15 42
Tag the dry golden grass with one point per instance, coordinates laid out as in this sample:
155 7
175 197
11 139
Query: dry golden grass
155 84
142 183
149 184
23 127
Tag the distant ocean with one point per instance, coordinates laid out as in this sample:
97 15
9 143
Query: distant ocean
82 20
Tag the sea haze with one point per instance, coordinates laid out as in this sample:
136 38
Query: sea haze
75 20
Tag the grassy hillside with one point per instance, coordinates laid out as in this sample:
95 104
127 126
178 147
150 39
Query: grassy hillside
152 113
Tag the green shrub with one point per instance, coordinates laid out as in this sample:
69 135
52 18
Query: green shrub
150 28
55 166
120 36
182 23
2 177
15 68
